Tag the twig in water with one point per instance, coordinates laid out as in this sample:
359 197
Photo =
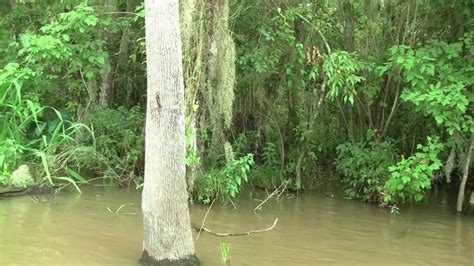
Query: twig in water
277 191
284 188
197 228
204 219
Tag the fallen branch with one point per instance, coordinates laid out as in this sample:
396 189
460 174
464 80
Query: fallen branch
13 191
32 190
202 228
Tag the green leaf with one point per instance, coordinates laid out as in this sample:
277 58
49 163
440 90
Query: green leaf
439 119
71 181
75 175
405 179
100 60
89 74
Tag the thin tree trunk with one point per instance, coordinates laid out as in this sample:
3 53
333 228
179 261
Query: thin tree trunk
105 80
167 231
298 170
122 58
449 165
106 75
465 172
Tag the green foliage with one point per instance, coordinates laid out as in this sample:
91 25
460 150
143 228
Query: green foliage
29 131
64 51
270 155
225 252
224 183
267 177
438 79
64 55
192 156
269 173
410 178
119 142
308 77
242 144
69 39
364 168
343 71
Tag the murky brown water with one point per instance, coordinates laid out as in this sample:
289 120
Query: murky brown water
312 230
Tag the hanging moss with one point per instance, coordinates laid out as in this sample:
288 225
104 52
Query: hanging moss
209 74
225 86
187 12
221 77
229 152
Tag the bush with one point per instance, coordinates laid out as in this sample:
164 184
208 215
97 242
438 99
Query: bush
119 143
266 177
411 177
364 168
269 173
225 182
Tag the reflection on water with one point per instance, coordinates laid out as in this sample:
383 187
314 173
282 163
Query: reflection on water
312 230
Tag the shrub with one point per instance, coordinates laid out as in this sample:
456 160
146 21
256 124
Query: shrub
364 168
225 182
119 143
411 177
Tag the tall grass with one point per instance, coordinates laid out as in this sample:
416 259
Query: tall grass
30 132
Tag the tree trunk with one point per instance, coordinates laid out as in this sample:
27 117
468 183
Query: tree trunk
465 172
167 231
449 165
107 73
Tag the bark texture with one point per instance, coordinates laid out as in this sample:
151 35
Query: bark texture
465 174
167 231
449 165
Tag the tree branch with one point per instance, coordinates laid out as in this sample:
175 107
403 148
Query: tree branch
328 48
392 112
277 191
202 228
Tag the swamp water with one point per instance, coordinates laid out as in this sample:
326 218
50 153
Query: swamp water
312 229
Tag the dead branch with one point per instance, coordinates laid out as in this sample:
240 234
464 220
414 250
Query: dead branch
204 219
202 228
277 191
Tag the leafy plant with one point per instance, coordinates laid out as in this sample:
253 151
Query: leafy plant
192 156
28 130
394 209
267 177
225 182
225 252
411 178
270 155
343 71
437 77
364 168
119 142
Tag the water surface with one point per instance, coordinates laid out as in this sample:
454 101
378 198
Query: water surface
68 228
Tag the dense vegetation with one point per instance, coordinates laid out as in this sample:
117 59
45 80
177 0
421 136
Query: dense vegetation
379 92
